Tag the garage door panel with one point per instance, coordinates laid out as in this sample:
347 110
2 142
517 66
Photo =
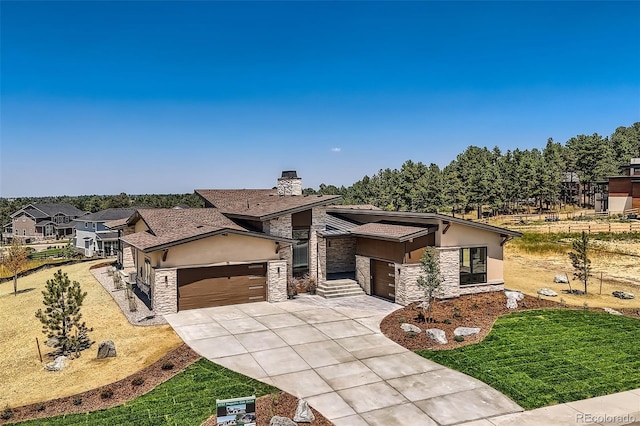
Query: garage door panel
384 279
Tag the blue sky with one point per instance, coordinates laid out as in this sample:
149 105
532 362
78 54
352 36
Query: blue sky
159 97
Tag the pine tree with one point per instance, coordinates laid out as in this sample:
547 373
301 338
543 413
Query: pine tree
430 280
62 318
580 259
14 259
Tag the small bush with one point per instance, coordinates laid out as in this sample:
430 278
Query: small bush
106 393
585 306
420 317
137 381
458 338
401 320
41 407
475 305
446 321
562 302
167 365
411 334
456 312
7 413
77 400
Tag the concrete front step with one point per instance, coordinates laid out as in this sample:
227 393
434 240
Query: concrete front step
341 294
339 288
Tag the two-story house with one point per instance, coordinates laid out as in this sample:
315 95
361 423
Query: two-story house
37 222
93 238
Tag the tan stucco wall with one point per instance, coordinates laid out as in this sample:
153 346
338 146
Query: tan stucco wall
466 236
215 250
619 204
140 226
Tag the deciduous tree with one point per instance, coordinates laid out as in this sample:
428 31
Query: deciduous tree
14 259
430 279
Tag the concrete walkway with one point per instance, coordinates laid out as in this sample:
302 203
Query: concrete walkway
332 353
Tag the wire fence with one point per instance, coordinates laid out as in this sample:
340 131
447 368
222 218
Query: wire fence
577 227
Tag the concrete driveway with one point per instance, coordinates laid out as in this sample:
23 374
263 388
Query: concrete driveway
332 353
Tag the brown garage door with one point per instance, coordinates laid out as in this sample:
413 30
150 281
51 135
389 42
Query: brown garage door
221 285
383 279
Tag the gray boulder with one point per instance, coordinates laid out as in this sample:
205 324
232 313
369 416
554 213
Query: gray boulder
437 335
466 331
513 297
410 327
612 311
303 413
57 364
52 342
547 292
623 295
561 279
281 421
107 349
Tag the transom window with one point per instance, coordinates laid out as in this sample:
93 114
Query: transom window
473 265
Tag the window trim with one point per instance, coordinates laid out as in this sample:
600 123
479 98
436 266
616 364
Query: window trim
474 278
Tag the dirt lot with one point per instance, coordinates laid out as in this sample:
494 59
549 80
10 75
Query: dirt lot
23 378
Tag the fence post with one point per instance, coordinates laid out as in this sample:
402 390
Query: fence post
600 282
609 227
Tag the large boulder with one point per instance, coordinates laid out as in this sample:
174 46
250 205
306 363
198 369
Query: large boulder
437 335
107 349
513 297
410 328
303 413
57 364
281 421
547 292
612 311
466 331
561 279
623 295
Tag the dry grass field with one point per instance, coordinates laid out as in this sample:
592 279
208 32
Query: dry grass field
23 378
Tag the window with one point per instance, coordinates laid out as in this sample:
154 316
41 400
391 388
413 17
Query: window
473 265
93 225
86 225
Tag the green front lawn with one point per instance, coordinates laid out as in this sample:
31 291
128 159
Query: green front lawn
186 399
546 357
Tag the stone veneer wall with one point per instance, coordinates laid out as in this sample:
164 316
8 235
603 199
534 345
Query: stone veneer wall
127 257
341 254
450 271
276 281
164 292
318 220
407 288
281 227
481 288
322 259
363 273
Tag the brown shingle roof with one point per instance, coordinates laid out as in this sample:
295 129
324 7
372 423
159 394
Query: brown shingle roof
390 231
261 203
117 223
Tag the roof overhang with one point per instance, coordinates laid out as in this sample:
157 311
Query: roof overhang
402 239
282 212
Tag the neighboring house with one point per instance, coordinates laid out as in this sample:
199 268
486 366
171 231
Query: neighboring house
92 238
246 244
37 222
623 192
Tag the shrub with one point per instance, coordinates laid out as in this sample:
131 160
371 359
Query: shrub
456 312
7 413
77 400
411 334
585 306
458 338
106 393
475 305
167 365
421 317
401 320
446 321
41 407
137 381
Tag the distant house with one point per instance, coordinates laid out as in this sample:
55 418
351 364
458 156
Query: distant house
246 244
623 192
92 238
37 222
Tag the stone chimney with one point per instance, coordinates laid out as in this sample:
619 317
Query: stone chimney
289 183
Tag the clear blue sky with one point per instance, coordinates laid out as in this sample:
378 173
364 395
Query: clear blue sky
159 97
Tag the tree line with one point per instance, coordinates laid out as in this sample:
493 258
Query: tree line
499 182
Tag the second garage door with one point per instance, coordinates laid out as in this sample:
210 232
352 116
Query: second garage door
221 285
383 279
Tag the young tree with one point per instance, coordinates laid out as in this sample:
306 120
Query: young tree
62 318
580 259
430 280
14 259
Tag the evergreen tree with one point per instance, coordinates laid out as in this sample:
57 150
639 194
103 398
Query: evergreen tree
61 318
580 259
14 259
430 279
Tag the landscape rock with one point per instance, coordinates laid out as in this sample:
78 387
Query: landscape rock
561 279
52 342
281 421
410 327
466 331
623 295
107 349
547 292
437 335
303 413
57 364
513 297
612 311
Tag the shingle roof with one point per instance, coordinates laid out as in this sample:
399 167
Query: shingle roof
391 231
108 215
109 235
52 209
114 224
337 226
261 204
172 226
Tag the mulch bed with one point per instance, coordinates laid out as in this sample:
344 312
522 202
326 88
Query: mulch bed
282 404
476 310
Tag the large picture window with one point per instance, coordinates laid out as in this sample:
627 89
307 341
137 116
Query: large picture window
473 265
